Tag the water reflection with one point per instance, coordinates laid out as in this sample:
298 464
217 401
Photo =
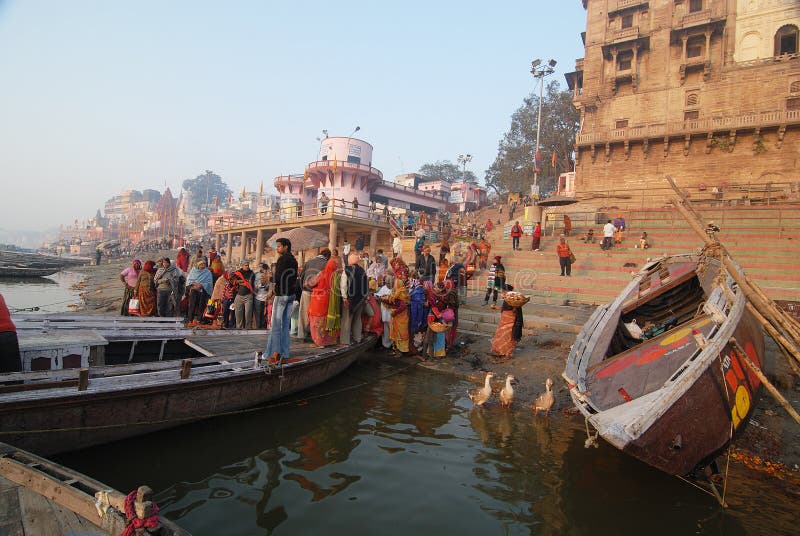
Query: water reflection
51 294
389 450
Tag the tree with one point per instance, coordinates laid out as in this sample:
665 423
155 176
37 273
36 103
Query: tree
203 188
444 170
512 170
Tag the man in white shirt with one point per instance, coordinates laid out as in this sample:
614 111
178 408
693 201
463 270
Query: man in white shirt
397 247
608 236
386 314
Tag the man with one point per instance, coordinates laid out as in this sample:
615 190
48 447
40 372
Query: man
397 246
457 273
323 203
516 232
311 270
345 252
537 237
608 236
354 286
360 243
285 279
426 265
496 280
97 254
245 280
355 207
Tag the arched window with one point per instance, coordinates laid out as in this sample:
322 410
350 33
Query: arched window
794 87
691 99
786 40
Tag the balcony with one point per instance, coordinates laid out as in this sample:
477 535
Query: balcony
699 19
615 8
623 36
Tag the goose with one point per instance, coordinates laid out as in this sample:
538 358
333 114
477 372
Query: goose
507 392
480 396
545 400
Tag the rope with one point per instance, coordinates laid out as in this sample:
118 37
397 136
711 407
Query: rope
208 415
591 441
39 307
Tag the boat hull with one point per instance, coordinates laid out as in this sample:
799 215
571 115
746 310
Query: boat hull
712 412
50 424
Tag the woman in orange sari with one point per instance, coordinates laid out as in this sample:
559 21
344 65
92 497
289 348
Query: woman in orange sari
509 331
318 307
145 289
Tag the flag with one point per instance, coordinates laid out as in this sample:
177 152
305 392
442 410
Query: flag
230 198
244 194
261 189
280 183
334 162
553 160
216 200
537 162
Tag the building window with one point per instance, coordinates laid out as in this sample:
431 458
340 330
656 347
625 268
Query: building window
793 103
354 159
691 99
786 40
695 46
695 6
794 87
627 20
621 123
691 115
624 60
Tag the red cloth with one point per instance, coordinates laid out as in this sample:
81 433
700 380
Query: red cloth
5 317
133 521
537 232
516 230
321 293
563 250
375 324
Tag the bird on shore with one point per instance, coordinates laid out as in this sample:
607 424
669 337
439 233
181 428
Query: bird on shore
479 396
545 400
507 392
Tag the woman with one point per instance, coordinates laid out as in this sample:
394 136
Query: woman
219 293
182 260
199 289
451 317
145 289
217 267
567 225
399 300
319 306
129 276
537 237
509 330
564 253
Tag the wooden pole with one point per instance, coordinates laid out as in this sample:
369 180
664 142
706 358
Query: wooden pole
186 367
83 379
771 388
774 333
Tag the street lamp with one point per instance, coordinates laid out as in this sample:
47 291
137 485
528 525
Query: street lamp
463 159
540 71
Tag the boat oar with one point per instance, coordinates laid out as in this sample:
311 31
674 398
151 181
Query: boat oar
771 388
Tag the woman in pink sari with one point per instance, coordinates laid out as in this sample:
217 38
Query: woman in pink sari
318 308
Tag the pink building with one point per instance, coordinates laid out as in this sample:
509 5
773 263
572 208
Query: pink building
468 196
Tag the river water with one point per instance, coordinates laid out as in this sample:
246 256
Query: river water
386 448
51 294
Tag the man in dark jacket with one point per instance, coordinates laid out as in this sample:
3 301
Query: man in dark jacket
311 269
355 287
426 265
245 281
285 279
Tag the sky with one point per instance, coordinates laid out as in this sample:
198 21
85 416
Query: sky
102 96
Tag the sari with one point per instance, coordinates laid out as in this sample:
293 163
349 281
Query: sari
334 316
318 307
398 327
451 299
145 290
509 331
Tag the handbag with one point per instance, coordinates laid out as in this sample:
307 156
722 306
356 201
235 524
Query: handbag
571 258
133 306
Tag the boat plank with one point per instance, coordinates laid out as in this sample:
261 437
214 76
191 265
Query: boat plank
238 345
40 516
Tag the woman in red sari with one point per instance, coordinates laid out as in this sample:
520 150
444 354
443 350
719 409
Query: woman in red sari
145 289
509 331
318 308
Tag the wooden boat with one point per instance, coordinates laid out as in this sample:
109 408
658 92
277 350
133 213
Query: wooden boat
62 410
23 271
677 396
43 497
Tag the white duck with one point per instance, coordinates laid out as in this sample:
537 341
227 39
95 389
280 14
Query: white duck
545 400
479 396
507 392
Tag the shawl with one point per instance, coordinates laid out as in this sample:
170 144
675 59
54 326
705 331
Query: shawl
516 330
399 298
182 260
417 316
217 268
334 321
320 295
201 276
172 275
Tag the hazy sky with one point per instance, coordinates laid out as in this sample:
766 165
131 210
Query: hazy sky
102 96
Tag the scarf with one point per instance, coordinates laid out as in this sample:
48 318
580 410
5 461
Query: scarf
334 320
201 276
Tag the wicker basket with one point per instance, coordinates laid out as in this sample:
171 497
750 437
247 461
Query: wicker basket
515 299
438 327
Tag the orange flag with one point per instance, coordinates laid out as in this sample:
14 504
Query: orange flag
553 161
261 189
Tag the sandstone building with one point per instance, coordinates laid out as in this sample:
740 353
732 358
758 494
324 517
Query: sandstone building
707 91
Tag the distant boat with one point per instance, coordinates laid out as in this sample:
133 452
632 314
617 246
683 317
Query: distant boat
47 412
655 371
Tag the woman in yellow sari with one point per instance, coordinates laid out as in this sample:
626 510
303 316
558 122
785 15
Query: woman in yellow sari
399 300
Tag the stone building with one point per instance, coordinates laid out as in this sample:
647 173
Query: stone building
706 91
